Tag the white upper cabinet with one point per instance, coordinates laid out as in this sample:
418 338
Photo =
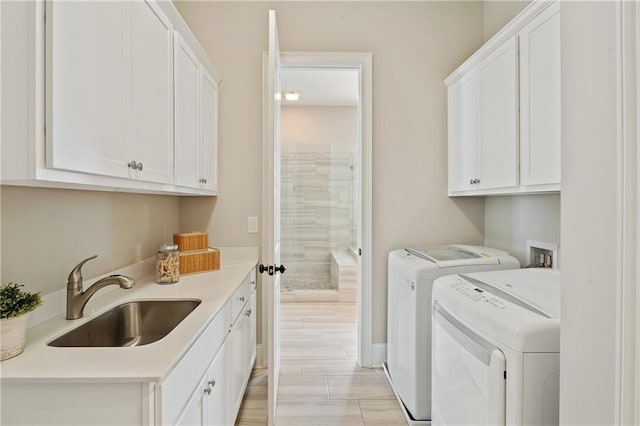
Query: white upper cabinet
150 121
540 99
187 113
209 135
504 110
111 89
196 112
85 121
498 115
95 85
483 138
463 133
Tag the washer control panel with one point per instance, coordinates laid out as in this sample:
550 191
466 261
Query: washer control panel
475 294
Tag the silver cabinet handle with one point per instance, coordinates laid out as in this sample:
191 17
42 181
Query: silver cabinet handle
470 181
212 382
203 180
477 180
208 390
249 312
242 298
135 165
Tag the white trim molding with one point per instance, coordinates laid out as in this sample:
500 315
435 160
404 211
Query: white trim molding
363 62
628 371
259 357
534 8
378 354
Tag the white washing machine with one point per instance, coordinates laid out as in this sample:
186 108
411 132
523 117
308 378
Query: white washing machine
496 348
410 280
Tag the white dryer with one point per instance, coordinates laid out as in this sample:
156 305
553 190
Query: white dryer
411 273
496 348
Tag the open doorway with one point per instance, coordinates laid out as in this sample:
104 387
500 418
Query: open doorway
328 134
319 187
331 348
320 180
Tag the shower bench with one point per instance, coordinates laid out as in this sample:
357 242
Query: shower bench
344 274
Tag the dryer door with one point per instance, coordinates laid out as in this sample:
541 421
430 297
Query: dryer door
468 375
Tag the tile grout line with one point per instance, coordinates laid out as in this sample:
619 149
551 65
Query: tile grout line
361 413
326 381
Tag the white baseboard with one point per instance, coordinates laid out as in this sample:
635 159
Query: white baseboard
259 358
378 354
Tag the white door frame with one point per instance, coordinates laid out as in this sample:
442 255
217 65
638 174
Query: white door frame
628 312
270 255
363 62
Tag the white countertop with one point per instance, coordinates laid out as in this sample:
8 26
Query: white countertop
147 363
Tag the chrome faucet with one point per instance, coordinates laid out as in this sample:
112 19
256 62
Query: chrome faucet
77 298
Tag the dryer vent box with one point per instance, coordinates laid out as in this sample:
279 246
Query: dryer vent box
541 254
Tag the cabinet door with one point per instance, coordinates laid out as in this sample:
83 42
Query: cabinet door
86 87
238 363
150 121
540 99
217 401
250 334
498 118
187 114
209 142
463 133
194 413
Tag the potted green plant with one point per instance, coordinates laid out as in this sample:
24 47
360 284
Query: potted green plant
15 307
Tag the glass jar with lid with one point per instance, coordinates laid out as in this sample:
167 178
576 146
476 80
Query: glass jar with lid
167 264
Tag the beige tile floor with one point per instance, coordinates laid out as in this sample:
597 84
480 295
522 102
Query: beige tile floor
320 381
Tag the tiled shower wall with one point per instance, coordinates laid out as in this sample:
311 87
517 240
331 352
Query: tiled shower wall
317 209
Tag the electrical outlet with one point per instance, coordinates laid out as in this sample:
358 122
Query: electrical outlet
252 225
541 254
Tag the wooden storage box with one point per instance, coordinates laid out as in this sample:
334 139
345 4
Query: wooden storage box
199 261
188 241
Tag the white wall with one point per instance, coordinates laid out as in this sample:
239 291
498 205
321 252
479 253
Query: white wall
46 232
415 45
591 256
498 13
510 221
319 124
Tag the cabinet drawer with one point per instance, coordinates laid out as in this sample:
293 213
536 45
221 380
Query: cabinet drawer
242 294
175 391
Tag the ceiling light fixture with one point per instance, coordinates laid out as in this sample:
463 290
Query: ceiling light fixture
292 95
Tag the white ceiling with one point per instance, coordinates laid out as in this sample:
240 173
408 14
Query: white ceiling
331 86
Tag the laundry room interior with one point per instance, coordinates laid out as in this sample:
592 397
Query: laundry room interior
403 212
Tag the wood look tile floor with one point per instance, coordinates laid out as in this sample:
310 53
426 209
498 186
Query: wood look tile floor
320 381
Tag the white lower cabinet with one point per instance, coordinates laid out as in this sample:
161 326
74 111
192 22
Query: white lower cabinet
200 392
244 349
205 387
209 403
250 331
216 393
